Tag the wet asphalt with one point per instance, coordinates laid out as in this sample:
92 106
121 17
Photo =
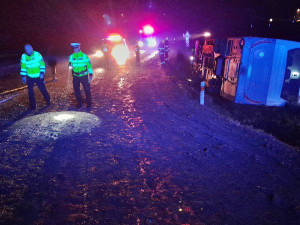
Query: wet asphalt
145 153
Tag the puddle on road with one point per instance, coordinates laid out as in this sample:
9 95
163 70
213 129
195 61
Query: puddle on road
128 114
152 55
121 82
98 75
98 70
54 125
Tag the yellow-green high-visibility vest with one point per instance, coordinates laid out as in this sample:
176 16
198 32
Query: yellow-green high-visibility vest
81 64
32 65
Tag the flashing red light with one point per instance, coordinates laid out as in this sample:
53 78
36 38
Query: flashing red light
148 30
114 37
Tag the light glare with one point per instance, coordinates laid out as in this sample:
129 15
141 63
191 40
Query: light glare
121 54
63 117
99 54
114 38
148 30
207 34
152 42
141 44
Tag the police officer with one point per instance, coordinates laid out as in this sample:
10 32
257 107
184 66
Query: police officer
161 49
106 55
167 49
82 73
32 72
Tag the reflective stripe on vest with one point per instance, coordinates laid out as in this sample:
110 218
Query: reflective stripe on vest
32 65
81 64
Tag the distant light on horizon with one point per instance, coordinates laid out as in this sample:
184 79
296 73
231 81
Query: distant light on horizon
207 34
271 20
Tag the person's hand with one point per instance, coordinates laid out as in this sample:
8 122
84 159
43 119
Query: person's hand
24 79
42 75
90 77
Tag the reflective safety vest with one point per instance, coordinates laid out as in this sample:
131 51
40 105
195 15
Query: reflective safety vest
161 48
81 64
167 49
32 65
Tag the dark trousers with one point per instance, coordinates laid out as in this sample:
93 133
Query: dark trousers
137 60
162 58
106 60
87 89
53 70
166 56
41 84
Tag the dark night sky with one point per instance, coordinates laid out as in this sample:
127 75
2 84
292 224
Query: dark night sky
43 23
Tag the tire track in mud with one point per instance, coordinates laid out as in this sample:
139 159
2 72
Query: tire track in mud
156 176
148 181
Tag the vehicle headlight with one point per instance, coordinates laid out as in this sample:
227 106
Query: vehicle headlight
121 54
141 44
152 42
99 54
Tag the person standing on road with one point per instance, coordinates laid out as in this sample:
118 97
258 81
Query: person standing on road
52 62
106 55
187 37
137 55
82 73
161 49
167 49
33 72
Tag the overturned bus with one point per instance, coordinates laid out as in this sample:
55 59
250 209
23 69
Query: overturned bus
252 70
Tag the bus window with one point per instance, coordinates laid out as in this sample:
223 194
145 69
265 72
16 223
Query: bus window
291 83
